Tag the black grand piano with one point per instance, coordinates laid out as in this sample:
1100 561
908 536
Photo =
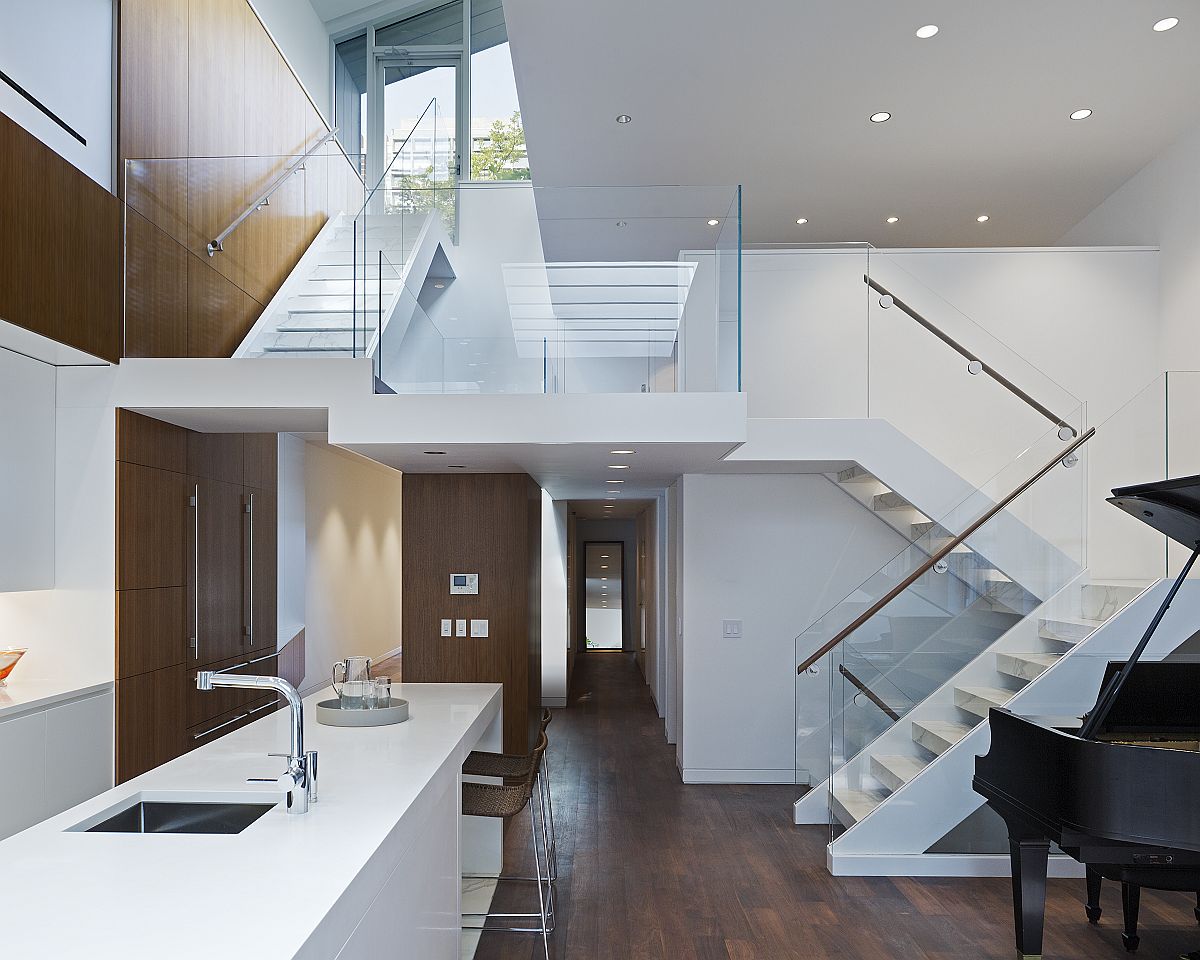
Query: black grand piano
1121 792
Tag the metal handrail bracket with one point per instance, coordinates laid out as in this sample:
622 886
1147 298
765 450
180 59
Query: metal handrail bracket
944 551
217 244
974 363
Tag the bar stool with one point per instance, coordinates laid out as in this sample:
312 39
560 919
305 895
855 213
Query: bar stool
505 801
515 767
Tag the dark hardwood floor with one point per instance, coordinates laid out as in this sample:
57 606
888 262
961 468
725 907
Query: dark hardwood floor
652 868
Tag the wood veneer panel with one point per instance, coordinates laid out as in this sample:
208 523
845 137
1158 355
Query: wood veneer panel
260 459
153 101
150 442
219 313
150 721
205 704
152 518
291 660
156 304
265 581
60 249
217 32
220 583
151 629
478 524
216 456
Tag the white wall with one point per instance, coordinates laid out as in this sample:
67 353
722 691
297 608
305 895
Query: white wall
301 36
62 54
1160 206
555 638
26 472
602 626
69 629
352 581
292 540
795 546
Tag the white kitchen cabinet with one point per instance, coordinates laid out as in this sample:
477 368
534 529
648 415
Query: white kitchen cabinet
26 472
53 755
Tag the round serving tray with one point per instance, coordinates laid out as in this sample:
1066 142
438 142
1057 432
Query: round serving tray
330 713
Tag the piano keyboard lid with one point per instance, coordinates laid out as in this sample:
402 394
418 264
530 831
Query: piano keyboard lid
1172 507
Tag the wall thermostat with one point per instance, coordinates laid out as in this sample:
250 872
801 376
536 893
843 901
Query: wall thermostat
464 583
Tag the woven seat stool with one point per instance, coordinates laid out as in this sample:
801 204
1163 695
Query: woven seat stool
505 801
515 767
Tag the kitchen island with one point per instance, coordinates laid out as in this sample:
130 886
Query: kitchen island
372 870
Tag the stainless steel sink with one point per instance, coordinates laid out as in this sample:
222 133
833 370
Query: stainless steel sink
170 816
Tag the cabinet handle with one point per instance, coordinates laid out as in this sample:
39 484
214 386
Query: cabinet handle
250 567
194 639
219 726
265 706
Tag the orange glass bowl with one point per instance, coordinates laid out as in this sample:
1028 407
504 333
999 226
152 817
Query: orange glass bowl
8 659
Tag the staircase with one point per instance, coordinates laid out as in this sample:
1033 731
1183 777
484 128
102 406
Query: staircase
332 303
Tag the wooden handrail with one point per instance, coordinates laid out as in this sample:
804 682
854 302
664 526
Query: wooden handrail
942 552
1065 430
867 692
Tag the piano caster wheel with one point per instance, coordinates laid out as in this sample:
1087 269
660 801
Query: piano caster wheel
1131 943
1093 914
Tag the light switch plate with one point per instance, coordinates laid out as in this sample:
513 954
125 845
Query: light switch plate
447 628
460 628
731 629
479 628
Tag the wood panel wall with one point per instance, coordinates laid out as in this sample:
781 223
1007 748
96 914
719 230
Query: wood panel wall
60 247
159 712
209 114
488 524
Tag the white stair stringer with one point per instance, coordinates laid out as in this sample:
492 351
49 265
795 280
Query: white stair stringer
322 308
939 740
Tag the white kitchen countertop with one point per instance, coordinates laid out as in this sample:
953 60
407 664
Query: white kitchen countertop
21 696
287 886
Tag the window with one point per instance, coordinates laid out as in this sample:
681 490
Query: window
350 98
498 149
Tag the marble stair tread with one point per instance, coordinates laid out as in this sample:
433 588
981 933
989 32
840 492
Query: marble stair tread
937 543
895 771
938 736
1102 601
330 303
1025 666
928 528
891 501
1067 629
851 806
979 700
854 473
282 353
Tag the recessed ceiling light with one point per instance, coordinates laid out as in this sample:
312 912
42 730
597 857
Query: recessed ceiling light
1081 114
435 453
893 219
618 466
982 218
713 223
620 223
880 117
604 556
1166 24
622 453
623 118
802 220
614 481
604 566
927 31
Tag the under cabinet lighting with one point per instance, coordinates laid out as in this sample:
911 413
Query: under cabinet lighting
1082 114
927 31
882 117
1166 24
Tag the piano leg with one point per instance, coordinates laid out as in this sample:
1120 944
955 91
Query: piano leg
1197 909
1092 909
1131 895
1029 858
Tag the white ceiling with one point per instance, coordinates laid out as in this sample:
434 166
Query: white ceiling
776 95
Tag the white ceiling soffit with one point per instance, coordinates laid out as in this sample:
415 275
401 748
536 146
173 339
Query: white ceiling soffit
777 95
597 309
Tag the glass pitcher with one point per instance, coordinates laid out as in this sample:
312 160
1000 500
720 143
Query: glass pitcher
353 670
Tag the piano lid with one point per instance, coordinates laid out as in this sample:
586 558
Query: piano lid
1171 507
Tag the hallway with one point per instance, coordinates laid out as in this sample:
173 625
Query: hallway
653 869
